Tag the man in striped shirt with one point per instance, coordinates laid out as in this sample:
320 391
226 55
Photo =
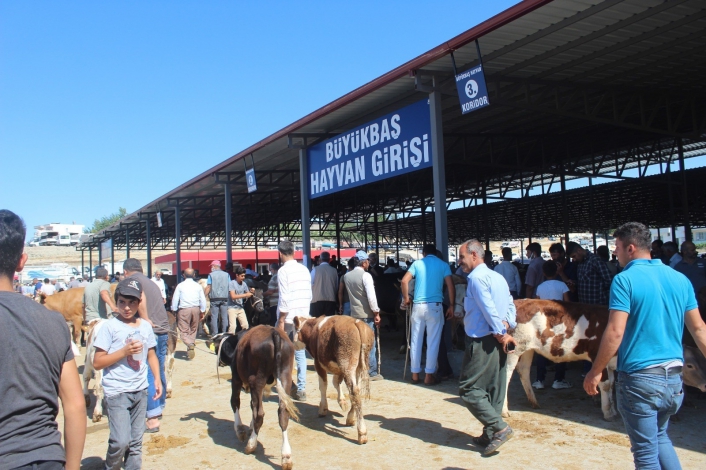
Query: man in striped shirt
294 282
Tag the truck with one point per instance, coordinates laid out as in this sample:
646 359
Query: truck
61 271
57 234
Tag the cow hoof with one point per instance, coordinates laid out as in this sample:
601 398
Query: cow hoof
610 418
362 438
323 413
249 449
88 400
343 404
169 394
97 418
505 414
242 433
287 463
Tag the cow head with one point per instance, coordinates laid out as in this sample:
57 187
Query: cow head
694 368
297 339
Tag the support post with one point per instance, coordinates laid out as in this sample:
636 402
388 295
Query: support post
112 258
591 215
177 241
564 209
304 197
229 229
486 235
90 263
83 267
684 194
438 171
149 248
127 243
338 236
377 233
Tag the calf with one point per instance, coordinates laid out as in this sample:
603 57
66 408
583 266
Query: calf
340 345
89 371
561 332
70 304
694 371
258 357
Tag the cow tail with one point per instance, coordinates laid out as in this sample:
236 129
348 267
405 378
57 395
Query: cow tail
362 374
283 396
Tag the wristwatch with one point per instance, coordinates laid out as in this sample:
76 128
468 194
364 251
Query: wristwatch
504 331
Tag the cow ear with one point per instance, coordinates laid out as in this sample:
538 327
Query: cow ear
296 322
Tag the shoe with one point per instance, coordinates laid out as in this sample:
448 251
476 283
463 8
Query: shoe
190 351
559 384
299 395
376 377
434 380
537 385
499 438
151 430
481 441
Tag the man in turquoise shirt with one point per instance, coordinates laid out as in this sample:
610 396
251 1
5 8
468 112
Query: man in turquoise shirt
430 274
649 304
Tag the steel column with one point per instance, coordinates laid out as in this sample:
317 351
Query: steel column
90 263
229 228
591 214
684 194
83 268
177 241
127 243
564 209
377 233
112 258
304 198
438 171
149 248
338 236
486 236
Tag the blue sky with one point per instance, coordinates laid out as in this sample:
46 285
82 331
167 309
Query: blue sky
110 104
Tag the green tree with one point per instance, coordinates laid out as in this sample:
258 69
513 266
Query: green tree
107 221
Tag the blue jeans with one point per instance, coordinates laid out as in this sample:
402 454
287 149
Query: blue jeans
156 407
299 359
126 418
219 309
372 359
646 402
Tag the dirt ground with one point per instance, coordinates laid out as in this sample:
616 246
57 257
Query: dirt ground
409 426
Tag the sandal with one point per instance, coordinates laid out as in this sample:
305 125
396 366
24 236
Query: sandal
416 382
434 381
499 438
481 441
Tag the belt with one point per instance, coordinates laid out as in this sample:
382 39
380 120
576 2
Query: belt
430 303
660 371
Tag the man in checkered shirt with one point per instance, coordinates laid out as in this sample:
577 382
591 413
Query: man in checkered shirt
593 275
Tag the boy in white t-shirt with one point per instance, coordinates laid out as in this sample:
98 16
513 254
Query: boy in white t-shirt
124 347
551 289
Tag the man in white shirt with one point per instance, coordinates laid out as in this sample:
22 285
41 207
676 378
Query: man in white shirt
47 288
189 302
670 251
510 273
294 283
325 288
157 279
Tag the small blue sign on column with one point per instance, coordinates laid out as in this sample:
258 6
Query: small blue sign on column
472 91
250 179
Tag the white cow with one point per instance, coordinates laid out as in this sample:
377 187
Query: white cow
89 371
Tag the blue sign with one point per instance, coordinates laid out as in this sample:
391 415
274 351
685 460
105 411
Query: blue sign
472 91
391 145
250 178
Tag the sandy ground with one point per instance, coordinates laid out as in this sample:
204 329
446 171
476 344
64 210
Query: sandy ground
409 426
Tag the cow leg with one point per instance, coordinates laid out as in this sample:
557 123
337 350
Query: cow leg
258 414
283 415
510 365
356 407
87 374
523 368
337 379
240 431
606 388
98 391
323 386
169 371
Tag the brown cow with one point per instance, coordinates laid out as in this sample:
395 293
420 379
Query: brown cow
258 357
340 345
561 332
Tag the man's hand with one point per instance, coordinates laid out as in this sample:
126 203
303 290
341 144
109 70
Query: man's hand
376 320
203 314
405 301
505 340
134 347
590 383
450 313
157 388
280 324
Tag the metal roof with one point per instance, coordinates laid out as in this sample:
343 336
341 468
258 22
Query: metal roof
576 87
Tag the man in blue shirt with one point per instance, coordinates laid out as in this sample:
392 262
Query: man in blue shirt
430 274
649 305
489 313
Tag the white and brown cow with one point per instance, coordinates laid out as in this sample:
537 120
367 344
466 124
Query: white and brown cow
561 332
259 357
89 372
564 332
340 345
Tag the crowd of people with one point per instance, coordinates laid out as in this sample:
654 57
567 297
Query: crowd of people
651 294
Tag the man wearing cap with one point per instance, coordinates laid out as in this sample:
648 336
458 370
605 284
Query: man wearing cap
96 297
189 302
294 283
217 292
152 310
325 288
364 305
430 274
